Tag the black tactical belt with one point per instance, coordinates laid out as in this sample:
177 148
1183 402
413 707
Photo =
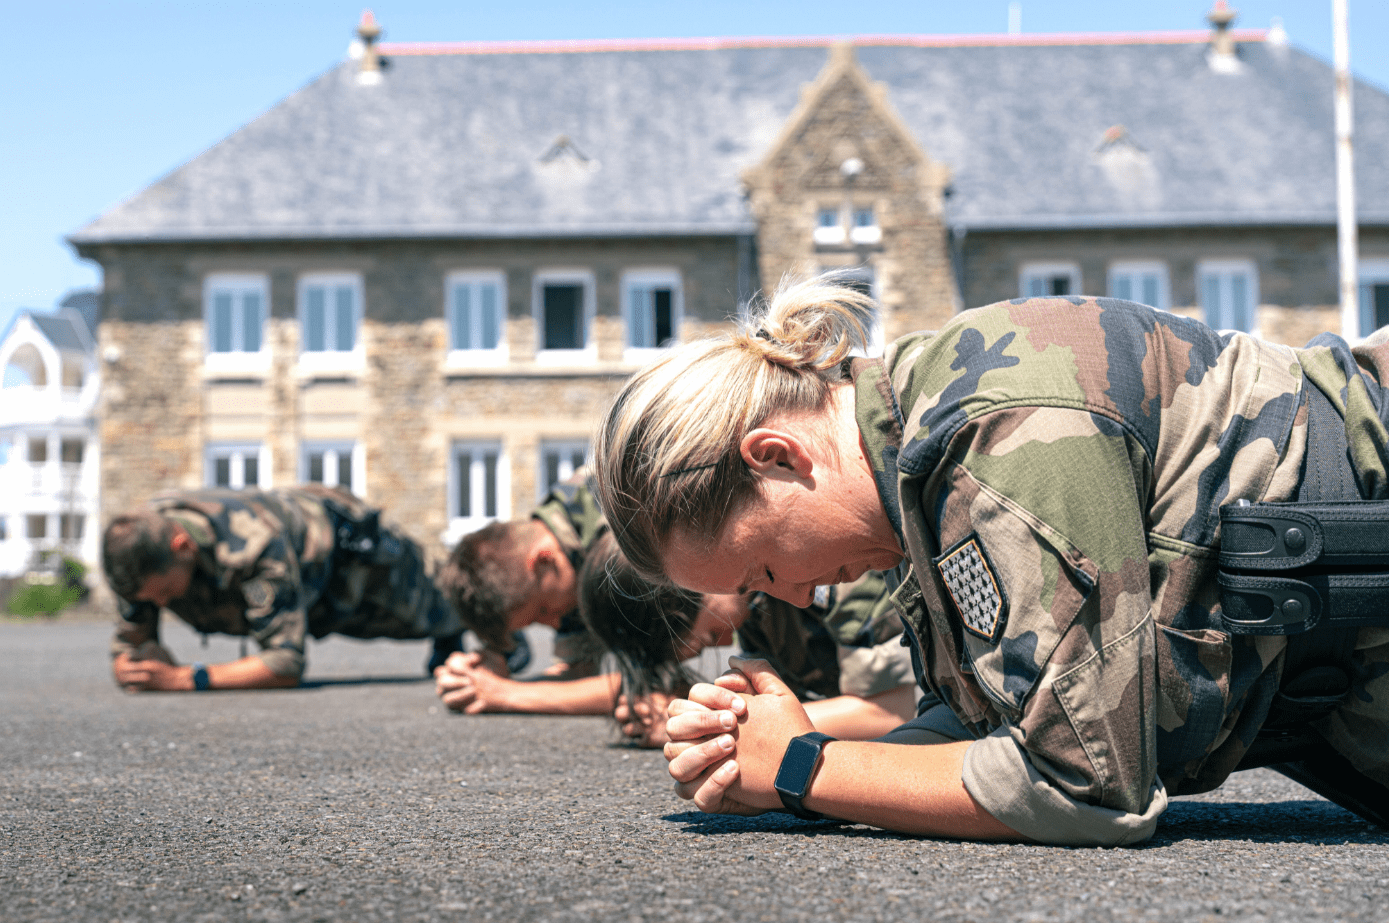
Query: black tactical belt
1286 568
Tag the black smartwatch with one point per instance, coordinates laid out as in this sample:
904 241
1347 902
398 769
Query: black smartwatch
200 680
797 767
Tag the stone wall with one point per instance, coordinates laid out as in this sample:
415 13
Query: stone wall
1297 267
405 405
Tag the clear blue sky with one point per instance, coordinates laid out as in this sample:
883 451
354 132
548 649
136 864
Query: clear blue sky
101 98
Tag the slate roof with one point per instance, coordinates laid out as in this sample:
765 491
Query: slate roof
65 329
450 144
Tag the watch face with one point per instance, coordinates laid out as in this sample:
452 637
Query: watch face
797 766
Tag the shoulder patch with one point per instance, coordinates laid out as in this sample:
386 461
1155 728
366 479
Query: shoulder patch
974 587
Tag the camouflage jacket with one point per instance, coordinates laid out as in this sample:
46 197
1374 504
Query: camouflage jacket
1054 469
278 565
847 642
571 513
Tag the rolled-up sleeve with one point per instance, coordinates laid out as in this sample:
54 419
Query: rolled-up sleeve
136 623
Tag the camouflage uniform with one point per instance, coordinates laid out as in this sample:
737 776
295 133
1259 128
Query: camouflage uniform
847 642
571 513
1054 469
281 564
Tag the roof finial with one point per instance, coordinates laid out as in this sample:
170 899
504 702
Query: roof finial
1220 18
368 31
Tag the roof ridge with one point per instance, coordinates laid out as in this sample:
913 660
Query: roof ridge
715 43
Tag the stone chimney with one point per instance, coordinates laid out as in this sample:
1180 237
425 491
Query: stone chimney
1221 56
369 70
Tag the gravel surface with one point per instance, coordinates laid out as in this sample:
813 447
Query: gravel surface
356 798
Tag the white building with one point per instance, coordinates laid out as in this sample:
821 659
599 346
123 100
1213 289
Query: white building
49 457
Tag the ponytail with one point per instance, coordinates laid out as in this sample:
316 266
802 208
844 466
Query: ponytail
667 454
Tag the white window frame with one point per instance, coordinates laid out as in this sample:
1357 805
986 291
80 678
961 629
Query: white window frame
829 235
566 447
236 360
331 360
238 452
651 278
1227 269
865 233
336 448
458 524
582 277
1030 271
1372 271
465 358
1138 268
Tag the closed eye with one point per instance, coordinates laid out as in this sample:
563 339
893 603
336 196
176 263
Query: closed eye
770 578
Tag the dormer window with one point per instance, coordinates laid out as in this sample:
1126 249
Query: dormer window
828 228
865 230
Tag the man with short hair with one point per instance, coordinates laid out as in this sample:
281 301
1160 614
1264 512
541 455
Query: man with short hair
275 565
508 575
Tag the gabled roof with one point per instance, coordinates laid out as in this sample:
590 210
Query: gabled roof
65 330
453 141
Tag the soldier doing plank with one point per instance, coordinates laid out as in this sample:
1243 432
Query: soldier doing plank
1049 477
276 565
508 575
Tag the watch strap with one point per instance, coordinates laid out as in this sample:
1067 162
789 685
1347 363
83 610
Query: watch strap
797 768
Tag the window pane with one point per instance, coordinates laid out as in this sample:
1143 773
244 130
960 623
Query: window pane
827 218
551 469
563 307
1210 290
72 451
1123 287
489 462
346 316
1150 291
252 471
1036 287
1059 285
1239 297
491 326
221 333
70 526
251 321
1379 302
38 451
345 470
315 315
222 471
36 526
665 321
465 484
639 323
316 467
863 218
462 317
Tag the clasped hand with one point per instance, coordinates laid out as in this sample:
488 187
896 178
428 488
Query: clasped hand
727 739
467 684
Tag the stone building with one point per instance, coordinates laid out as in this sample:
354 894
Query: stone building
422 275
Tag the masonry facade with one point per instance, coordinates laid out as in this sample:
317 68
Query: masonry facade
436 320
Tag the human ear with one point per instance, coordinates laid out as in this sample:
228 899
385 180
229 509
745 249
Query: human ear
181 543
768 450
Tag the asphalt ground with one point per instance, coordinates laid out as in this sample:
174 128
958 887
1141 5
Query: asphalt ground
357 798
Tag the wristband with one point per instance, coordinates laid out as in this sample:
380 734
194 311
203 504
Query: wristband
200 680
797 768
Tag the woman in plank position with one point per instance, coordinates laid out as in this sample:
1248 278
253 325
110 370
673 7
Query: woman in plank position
1045 477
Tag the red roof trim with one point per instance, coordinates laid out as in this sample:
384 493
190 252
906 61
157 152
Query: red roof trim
561 46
